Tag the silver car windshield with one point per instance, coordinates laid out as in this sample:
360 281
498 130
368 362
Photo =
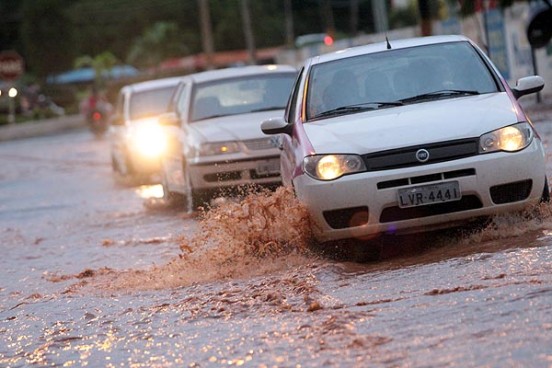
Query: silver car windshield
241 95
150 103
397 77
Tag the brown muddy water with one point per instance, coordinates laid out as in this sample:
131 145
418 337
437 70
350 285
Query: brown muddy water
91 277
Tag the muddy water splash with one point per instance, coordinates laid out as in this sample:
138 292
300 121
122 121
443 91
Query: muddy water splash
264 233
511 225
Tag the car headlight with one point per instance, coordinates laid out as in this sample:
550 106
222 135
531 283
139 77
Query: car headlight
218 148
510 139
148 140
330 167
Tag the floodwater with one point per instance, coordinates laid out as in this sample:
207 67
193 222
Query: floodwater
93 274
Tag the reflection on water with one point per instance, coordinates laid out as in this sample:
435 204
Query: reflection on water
150 191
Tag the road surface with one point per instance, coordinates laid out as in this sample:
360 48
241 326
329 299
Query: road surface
93 273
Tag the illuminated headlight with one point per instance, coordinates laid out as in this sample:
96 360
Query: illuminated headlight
330 167
148 140
218 148
510 139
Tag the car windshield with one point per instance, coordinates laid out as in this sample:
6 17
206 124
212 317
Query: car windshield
397 77
150 103
241 95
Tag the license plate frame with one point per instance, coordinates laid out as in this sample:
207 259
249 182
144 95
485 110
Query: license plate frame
269 167
423 195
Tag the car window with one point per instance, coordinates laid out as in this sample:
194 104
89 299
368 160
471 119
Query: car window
150 103
291 108
395 75
241 95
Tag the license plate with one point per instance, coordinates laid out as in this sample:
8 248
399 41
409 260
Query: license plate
268 167
429 194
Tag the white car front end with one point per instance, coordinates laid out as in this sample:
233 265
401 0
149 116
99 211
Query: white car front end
231 151
389 194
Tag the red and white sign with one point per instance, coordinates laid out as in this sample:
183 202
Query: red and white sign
11 65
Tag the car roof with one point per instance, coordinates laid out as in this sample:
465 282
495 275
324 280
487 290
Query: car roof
239 72
382 46
153 84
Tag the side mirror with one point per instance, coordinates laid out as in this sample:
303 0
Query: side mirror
276 126
169 119
528 85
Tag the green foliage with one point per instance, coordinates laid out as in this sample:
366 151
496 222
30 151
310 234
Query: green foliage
47 35
404 17
101 63
160 41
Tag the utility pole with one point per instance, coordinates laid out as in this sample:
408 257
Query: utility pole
289 23
248 31
206 33
326 12
425 15
379 9
353 5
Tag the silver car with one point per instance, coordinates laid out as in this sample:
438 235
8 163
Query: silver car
137 140
217 145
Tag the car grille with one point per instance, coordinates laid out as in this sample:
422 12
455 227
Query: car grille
259 144
425 178
254 175
406 157
223 176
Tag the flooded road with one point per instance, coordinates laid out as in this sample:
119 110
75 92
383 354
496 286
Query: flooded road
90 276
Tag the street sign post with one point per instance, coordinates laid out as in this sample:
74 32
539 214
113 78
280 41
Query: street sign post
11 65
11 68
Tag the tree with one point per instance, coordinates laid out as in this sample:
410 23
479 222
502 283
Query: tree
101 63
47 36
160 41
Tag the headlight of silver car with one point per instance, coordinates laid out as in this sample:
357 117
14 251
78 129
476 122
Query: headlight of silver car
510 139
218 148
148 139
330 167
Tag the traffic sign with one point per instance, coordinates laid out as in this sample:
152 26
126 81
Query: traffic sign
12 65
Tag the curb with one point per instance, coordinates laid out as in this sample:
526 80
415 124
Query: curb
41 127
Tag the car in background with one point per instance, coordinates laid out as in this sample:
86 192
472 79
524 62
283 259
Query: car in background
137 139
217 145
408 136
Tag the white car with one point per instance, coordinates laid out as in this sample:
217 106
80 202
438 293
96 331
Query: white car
137 139
408 136
218 146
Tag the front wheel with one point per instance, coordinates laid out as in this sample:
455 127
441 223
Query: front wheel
173 199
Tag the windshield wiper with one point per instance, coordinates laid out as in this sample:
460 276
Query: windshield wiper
349 109
440 94
268 108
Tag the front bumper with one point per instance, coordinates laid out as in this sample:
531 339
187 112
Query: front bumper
263 170
366 204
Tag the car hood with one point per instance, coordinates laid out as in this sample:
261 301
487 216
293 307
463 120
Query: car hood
232 128
409 125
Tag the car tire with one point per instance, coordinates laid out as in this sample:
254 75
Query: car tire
172 199
545 198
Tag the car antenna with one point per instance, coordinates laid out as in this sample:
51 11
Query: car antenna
388 44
